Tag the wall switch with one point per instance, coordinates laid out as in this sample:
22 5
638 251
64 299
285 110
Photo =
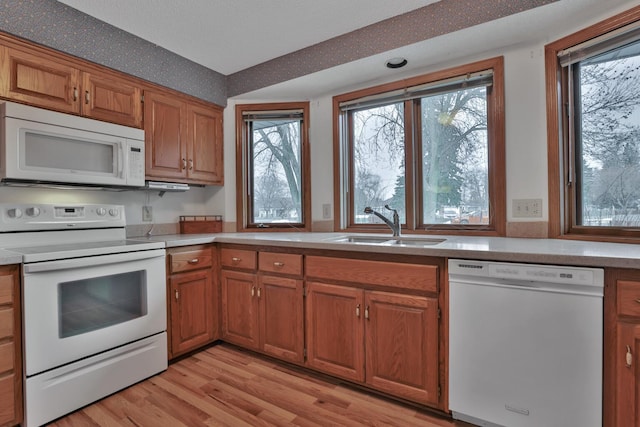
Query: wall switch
527 208
147 213
326 211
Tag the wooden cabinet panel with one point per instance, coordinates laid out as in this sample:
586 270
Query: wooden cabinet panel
40 81
204 154
7 353
190 260
6 289
335 341
111 100
628 296
407 276
402 345
6 322
281 317
192 310
165 136
8 413
238 258
240 308
273 262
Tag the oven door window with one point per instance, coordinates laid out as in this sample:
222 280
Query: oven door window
99 302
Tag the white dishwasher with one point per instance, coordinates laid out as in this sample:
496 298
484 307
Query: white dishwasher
525 344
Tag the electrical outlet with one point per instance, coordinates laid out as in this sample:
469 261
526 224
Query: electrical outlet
147 213
527 208
326 211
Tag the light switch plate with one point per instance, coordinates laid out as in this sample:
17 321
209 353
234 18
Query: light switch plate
527 208
326 211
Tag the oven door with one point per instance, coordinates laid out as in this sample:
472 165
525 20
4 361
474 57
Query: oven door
79 307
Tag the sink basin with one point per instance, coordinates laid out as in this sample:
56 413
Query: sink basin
417 241
365 239
390 240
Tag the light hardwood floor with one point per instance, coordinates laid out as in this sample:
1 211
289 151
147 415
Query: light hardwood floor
227 386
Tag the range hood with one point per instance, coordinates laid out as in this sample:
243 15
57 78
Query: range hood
166 186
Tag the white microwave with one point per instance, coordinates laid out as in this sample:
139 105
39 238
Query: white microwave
39 145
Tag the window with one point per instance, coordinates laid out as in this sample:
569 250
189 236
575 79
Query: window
431 148
272 163
594 140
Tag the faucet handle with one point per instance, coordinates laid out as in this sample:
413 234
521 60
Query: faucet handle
391 209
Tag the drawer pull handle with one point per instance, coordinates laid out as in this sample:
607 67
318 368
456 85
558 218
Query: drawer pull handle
184 164
258 292
75 93
278 264
629 357
358 311
177 295
194 261
253 290
86 97
366 313
235 260
638 300
190 164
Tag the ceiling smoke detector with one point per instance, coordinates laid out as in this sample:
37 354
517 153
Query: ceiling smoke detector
396 63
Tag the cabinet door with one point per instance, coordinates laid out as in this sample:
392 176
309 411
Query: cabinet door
39 81
111 100
10 348
192 310
281 318
402 345
240 308
165 137
334 330
627 385
205 158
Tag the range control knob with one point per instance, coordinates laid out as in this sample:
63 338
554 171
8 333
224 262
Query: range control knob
34 211
14 213
101 211
113 212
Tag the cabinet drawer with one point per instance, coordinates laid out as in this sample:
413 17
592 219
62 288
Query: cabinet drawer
6 357
7 400
628 298
190 260
6 289
381 273
6 323
274 262
238 258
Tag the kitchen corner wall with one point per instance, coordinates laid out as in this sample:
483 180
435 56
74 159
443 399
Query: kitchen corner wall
61 27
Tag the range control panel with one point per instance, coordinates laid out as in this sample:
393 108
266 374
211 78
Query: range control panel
38 217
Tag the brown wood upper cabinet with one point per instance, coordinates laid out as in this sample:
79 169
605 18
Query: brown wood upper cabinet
183 140
49 82
10 348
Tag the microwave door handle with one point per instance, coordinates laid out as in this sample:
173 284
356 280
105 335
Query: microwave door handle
121 159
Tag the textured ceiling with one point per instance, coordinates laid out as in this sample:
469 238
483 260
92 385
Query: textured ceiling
230 35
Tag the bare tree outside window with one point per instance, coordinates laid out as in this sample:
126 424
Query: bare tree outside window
607 123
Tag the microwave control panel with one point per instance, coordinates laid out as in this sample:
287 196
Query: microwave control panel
136 165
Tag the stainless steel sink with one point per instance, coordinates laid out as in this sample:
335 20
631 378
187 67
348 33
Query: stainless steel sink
389 240
410 241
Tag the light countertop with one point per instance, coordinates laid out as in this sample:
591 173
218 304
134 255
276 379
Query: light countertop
544 251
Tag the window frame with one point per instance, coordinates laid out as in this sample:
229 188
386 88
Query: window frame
243 177
343 179
563 197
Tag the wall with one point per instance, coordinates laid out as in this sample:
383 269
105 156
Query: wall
526 142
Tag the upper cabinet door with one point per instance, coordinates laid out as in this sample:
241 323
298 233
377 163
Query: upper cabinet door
117 101
165 136
39 81
204 160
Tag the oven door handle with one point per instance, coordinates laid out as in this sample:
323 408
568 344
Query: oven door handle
66 264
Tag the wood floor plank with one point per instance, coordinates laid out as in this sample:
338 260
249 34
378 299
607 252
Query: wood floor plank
227 386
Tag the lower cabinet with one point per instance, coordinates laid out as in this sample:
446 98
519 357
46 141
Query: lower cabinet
386 340
263 311
622 336
10 348
193 299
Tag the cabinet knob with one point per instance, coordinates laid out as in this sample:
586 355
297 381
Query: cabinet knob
358 310
194 261
258 292
177 295
190 164
366 313
235 260
75 93
253 290
87 97
629 357
278 264
184 164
